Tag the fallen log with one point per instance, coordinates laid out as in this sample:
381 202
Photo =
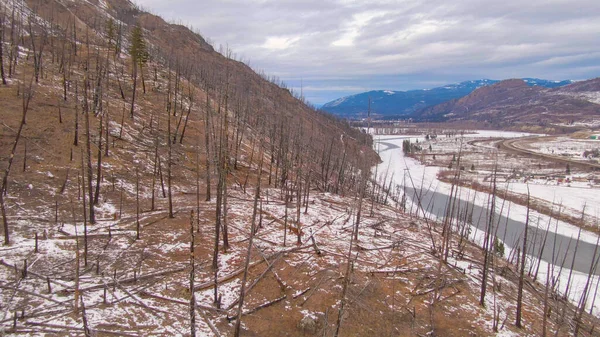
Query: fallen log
73 328
282 284
399 270
29 272
315 289
262 306
222 279
176 301
209 323
300 293
39 314
393 245
4 286
260 277
265 305
130 280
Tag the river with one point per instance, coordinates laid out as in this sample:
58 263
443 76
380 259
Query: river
560 242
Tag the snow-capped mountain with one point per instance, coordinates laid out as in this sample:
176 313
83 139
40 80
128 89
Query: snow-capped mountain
386 103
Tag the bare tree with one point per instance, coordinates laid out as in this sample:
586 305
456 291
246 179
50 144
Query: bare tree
353 238
37 52
13 54
137 203
192 275
252 233
88 148
207 125
488 241
584 294
99 163
27 96
76 134
170 155
522 273
107 130
2 49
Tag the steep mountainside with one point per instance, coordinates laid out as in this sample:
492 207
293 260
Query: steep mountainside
115 126
514 104
385 103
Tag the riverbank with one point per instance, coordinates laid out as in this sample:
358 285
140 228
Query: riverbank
552 242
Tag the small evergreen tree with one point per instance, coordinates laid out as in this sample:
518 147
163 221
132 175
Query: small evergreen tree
138 48
139 56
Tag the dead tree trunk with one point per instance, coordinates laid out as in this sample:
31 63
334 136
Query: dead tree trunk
298 207
487 244
187 117
88 147
99 164
285 217
215 262
522 273
362 189
252 232
584 294
154 173
106 140
225 167
169 165
137 203
134 89
25 156
4 220
2 50
192 272
567 289
26 99
207 145
353 238
198 183
85 241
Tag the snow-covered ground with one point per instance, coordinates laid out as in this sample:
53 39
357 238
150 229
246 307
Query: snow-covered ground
564 147
574 197
407 171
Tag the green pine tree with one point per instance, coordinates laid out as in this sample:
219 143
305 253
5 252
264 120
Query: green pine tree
139 56
138 48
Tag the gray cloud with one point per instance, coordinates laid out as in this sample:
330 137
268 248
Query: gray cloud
340 47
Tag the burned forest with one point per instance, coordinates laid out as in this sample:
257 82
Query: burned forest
155 184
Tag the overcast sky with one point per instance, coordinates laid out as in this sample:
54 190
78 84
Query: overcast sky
343 47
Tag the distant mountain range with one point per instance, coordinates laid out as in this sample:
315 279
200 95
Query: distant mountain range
386 103
515 103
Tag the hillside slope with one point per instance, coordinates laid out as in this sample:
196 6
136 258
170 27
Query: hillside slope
514 104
